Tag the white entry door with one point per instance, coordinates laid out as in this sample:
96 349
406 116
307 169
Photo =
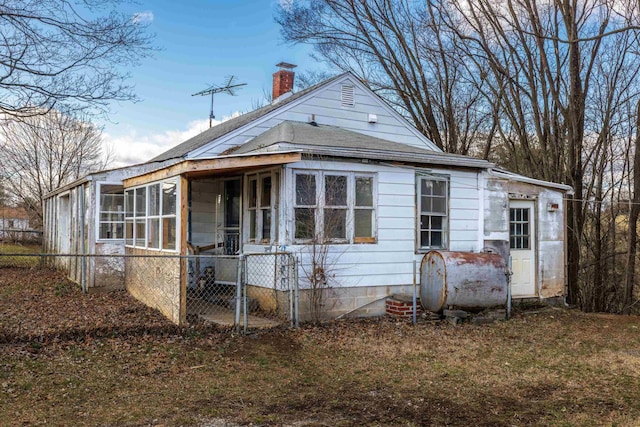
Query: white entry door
522 243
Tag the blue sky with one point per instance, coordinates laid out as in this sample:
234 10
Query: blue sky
201 42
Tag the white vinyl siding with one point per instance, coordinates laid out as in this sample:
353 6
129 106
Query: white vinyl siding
389 261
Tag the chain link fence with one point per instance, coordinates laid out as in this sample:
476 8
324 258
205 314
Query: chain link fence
252 291
241 291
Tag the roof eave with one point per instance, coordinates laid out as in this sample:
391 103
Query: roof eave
567 189
69 186
212 165
416 158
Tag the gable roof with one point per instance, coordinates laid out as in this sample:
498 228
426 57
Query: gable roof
325 140
224 128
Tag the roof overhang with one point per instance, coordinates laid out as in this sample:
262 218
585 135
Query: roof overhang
67 187
525 179
218 165
435 159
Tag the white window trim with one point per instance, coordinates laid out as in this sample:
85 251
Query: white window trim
275 209
446 218
176 215
320 205
99 185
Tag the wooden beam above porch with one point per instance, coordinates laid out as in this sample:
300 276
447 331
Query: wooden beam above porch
199 167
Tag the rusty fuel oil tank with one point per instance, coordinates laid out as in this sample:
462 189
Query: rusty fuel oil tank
463 280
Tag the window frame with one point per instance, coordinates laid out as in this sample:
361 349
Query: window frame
320 206
517 239
259 209
134 216
98 219
446 217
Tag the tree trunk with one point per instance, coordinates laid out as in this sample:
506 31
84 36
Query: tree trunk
634 211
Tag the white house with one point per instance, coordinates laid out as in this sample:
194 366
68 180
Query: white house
332 163
15 225
87 217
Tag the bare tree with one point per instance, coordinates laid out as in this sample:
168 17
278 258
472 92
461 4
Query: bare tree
66 54
403 52
43 152
634 213
546 88
324 242
548 60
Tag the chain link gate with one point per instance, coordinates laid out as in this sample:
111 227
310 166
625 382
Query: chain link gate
244 291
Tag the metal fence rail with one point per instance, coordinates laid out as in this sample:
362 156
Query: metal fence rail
16 235
240 291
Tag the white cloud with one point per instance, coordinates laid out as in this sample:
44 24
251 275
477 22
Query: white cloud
145 17
132 148
286 4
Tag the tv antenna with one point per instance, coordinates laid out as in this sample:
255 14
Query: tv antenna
229 88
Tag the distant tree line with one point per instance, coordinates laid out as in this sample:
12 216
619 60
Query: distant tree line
61 63
546 88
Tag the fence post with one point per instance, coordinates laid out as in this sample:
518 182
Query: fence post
245 315
415 298
296 292
291 267
239 281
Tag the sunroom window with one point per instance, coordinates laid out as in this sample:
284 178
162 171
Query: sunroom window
111 217
150 216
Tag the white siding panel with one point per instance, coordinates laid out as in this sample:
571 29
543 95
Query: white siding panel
462 225
396 200
464 193
400 234
385 188
456 203
346 258
464 214
468 235
390 212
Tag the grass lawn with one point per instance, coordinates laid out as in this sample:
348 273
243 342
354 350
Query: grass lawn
104 359
14 260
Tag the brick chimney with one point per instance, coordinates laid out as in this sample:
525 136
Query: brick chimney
282 80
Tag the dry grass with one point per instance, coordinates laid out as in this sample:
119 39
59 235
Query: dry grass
14 260
68 358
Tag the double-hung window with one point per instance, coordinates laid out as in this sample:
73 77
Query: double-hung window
262 206
150 216
111 217
306 204
433 208
334 219
334 207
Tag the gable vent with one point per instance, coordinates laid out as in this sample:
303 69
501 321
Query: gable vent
348 96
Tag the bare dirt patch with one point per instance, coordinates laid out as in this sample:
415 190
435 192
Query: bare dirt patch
105 359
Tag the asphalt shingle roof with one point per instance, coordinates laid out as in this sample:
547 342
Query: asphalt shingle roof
335 141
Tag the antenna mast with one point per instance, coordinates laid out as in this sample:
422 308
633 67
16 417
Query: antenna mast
229 88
